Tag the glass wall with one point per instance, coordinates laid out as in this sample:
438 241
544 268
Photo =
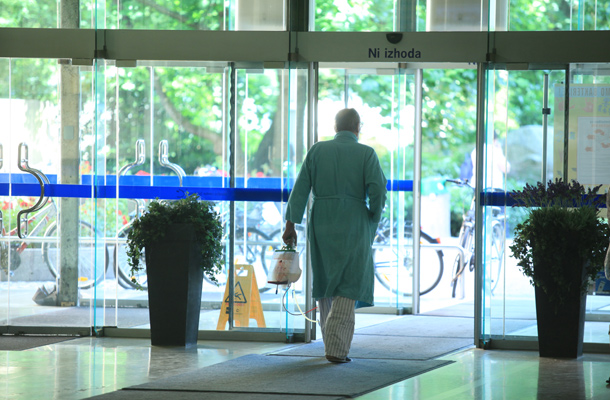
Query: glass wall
149 130
463 15
524 144
558 15
209 15
327 15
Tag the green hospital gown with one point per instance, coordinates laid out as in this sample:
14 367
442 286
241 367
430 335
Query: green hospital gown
342 175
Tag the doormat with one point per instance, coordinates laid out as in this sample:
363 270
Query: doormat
24 342
442 327
386 347
165 395
289 375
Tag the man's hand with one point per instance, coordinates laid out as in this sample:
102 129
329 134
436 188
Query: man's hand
290 234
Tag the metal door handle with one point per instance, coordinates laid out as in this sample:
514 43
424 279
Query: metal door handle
140 157
42 179
164 160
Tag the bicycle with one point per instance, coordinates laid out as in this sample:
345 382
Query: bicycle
392 255
43 225
386 254
467 243
45 216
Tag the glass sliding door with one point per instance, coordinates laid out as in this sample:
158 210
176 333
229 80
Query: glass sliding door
52 260
230 132
383 95
517 149
587 109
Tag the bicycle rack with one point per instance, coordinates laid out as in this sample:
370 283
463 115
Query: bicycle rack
42 179
140 159
164 160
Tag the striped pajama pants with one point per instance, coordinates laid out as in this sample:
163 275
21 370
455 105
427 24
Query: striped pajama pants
337 321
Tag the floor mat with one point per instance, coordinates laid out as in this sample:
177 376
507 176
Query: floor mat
386 347
443 327
24 342
260 374
174 395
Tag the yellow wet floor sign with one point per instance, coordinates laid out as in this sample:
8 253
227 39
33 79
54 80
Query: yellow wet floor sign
247 300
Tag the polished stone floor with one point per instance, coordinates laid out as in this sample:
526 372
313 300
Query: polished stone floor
85 367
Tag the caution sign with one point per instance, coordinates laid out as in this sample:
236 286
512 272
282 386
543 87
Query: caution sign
247 300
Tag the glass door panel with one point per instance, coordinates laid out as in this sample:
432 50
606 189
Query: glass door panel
51 260
523 118
169 133
588 159
164 139
534 148
448 143
271 113
383 96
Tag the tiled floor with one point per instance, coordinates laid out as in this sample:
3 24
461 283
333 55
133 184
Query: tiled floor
85 367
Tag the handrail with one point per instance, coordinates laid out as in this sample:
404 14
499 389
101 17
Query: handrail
164 160
42 179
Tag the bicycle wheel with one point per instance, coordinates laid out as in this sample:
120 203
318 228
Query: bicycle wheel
89 274
394 264
496 254
124 269
467 243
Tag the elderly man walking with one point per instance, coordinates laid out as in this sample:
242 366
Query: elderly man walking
349 193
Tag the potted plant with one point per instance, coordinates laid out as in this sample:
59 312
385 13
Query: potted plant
561 247
181 241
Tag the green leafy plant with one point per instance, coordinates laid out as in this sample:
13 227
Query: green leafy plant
151 227
561 235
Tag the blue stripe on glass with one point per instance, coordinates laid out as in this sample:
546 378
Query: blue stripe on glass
162 187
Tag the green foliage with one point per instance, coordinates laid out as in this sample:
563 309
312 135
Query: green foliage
167 14
354 15
28 13
561 235
151 227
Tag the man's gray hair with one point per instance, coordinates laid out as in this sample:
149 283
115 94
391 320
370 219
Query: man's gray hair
347 119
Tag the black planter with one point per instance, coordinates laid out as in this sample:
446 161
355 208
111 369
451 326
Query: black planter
561 334
175 281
